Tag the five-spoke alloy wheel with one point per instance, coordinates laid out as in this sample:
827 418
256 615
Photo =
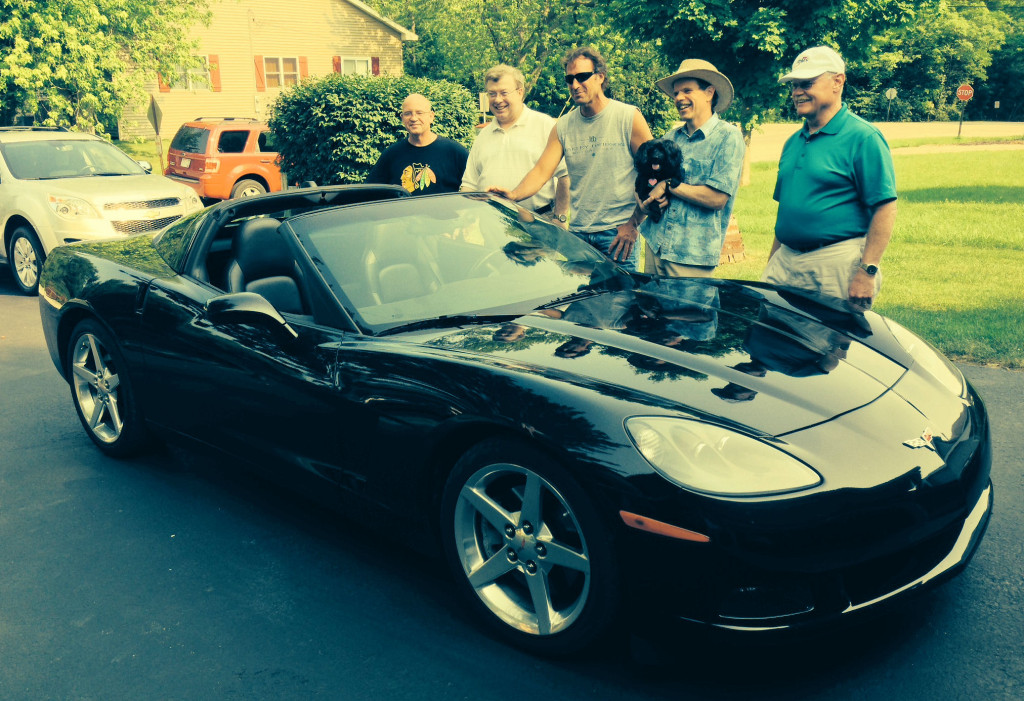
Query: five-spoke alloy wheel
102 391
528 549
25 257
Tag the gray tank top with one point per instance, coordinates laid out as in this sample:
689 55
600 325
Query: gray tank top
600 166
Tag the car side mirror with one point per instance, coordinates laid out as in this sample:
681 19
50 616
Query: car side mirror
248 308
146 166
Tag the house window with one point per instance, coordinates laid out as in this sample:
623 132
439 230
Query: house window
355 66
281 72
193 79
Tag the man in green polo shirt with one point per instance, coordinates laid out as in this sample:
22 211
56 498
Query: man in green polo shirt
836 190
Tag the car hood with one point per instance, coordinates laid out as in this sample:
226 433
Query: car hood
776 361
112 189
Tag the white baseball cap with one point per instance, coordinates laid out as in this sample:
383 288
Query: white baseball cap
814 62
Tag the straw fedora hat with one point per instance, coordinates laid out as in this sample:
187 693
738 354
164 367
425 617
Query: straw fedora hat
701 70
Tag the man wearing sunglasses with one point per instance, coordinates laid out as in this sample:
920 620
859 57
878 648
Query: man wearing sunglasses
597 140
836 190
506 148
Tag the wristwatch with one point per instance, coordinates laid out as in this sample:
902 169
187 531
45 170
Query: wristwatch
869 269
560 217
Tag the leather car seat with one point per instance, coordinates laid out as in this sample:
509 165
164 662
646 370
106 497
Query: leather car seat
262 263
399 266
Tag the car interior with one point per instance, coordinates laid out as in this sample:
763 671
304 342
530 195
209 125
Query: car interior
397 265
262 263
246 252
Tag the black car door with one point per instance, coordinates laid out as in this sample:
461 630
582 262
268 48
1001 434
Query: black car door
246 388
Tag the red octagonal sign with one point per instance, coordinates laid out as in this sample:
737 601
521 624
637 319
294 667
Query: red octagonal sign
965 92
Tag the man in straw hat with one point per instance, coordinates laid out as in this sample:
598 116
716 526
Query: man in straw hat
836 190
597 140
688 240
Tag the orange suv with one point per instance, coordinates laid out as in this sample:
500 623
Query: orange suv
224 157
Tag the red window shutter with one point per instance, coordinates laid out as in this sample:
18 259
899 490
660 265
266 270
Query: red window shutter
303 67
375 65
336 62
261 78
163 87
213 61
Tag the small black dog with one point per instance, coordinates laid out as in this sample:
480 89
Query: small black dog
655 161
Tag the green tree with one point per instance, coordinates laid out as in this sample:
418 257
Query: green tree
460 39
926 61
754 41
78 62
1005 82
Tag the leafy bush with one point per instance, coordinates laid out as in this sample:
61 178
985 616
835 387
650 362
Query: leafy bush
333 129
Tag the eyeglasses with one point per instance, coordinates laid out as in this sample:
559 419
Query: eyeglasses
503 94
416 113
579 77
803 84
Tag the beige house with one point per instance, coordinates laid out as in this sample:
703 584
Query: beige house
256 48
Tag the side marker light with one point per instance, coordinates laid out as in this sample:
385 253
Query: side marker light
642 523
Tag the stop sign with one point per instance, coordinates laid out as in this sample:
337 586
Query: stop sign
965 92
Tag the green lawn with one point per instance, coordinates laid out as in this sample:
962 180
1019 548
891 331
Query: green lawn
952 140
954 272
145 150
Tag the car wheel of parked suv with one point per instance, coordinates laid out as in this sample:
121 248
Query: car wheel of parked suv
25 256
247 188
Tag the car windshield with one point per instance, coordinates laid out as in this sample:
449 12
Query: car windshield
67 158
410 261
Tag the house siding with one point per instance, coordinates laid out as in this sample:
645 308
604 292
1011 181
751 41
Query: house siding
314 31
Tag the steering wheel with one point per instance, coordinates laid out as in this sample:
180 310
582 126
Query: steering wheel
486 266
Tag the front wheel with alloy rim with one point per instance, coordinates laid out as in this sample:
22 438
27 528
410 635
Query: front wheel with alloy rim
530 554
102 392
25 257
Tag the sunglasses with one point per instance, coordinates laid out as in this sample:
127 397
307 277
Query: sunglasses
803 84
579 77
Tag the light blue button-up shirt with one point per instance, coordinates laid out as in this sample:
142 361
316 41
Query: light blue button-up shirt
689 233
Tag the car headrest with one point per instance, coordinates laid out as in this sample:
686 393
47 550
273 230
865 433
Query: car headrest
260 251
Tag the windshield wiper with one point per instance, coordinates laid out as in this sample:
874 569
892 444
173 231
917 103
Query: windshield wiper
450 321
584 292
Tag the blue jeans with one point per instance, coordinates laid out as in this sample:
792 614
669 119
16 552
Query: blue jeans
601 240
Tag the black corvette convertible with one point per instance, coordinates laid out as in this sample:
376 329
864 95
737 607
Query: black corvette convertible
585 447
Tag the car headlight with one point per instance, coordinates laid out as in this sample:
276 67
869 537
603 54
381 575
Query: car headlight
716 460
931 360
71 207
192 201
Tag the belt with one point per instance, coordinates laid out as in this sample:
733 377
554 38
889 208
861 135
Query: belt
543 210
808 249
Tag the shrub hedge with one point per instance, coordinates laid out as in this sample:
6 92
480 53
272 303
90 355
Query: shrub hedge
332 129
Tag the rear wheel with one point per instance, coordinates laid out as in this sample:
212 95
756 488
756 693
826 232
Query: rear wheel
102 392
247 188
25 257
530 554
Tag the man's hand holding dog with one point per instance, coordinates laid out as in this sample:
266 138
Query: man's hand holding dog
659 194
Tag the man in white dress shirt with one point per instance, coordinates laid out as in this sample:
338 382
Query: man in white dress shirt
508 147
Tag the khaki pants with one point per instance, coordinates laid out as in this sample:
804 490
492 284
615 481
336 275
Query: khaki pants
654 264
828 270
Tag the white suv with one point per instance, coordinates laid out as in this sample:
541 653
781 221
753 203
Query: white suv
58 187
